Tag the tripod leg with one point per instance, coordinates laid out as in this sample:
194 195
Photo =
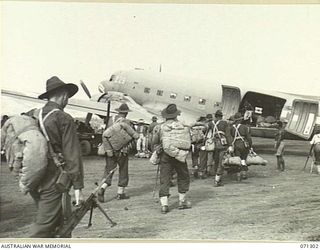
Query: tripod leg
90 218
105 214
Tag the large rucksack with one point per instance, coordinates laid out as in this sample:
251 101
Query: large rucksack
175 139
197 133
26 150
118 135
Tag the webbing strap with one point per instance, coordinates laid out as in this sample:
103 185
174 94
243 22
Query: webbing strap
215 129
41 122
237 133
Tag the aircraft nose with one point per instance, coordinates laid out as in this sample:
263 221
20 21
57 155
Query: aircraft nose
105 86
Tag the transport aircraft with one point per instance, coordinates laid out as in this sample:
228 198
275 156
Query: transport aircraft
147 93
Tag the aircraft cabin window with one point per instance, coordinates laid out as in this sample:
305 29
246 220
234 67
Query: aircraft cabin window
173 95
187 98
160 92
202 101
147 90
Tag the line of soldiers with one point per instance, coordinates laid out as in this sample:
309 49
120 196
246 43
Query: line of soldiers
170 141
225 135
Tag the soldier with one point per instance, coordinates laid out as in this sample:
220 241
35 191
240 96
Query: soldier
219 129
173 157
150 130
241 143
120 157
142 130
279 146
61 130
316 149
198 155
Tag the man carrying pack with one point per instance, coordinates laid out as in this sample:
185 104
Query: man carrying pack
219 130
198 155
150 131
175 141
241 143
63 140
118 155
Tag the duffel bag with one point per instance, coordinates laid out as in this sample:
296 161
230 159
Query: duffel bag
229 160
254 159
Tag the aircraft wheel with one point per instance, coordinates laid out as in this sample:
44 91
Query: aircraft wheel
85 147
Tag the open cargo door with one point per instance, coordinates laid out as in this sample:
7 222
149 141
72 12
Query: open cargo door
231 97
303 117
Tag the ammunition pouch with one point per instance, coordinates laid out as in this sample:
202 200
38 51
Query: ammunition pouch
63 182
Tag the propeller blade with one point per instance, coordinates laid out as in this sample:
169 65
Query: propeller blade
86 90
88 118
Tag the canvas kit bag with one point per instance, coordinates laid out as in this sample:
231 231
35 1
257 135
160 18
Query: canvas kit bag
176 140
22 141
117 135
254 159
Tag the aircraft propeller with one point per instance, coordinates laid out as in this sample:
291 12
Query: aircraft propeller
89 115
86 90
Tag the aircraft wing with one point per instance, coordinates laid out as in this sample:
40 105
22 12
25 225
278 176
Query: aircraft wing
23 102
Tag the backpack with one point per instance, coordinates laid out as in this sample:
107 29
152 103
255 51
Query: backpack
26 150
175 139
197 133
118 135
220 137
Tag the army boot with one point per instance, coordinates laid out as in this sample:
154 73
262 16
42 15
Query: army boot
164 204
244 175
121 194
183 202
217 181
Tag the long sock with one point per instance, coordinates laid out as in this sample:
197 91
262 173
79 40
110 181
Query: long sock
120 190
218 178
182 196
164 200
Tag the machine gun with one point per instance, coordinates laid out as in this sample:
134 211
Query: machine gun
81 211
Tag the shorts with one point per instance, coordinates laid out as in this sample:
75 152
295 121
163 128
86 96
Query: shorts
280 149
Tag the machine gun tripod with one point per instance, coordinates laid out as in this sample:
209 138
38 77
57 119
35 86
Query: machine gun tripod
95 204
77 215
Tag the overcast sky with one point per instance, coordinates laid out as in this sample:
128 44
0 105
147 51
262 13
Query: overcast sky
265 46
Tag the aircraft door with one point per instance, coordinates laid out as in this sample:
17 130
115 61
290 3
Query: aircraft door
231 98
303 117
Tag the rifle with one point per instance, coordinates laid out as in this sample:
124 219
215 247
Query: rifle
310 152
81 211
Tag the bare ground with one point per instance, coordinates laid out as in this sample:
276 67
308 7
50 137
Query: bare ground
269 206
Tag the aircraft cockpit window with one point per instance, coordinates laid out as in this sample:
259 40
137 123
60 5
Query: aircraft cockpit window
202 101
173 95
112 78
187 98
147 90
160 92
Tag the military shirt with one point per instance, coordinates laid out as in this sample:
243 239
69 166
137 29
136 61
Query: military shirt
62 133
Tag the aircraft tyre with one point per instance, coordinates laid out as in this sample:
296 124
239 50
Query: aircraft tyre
85 147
